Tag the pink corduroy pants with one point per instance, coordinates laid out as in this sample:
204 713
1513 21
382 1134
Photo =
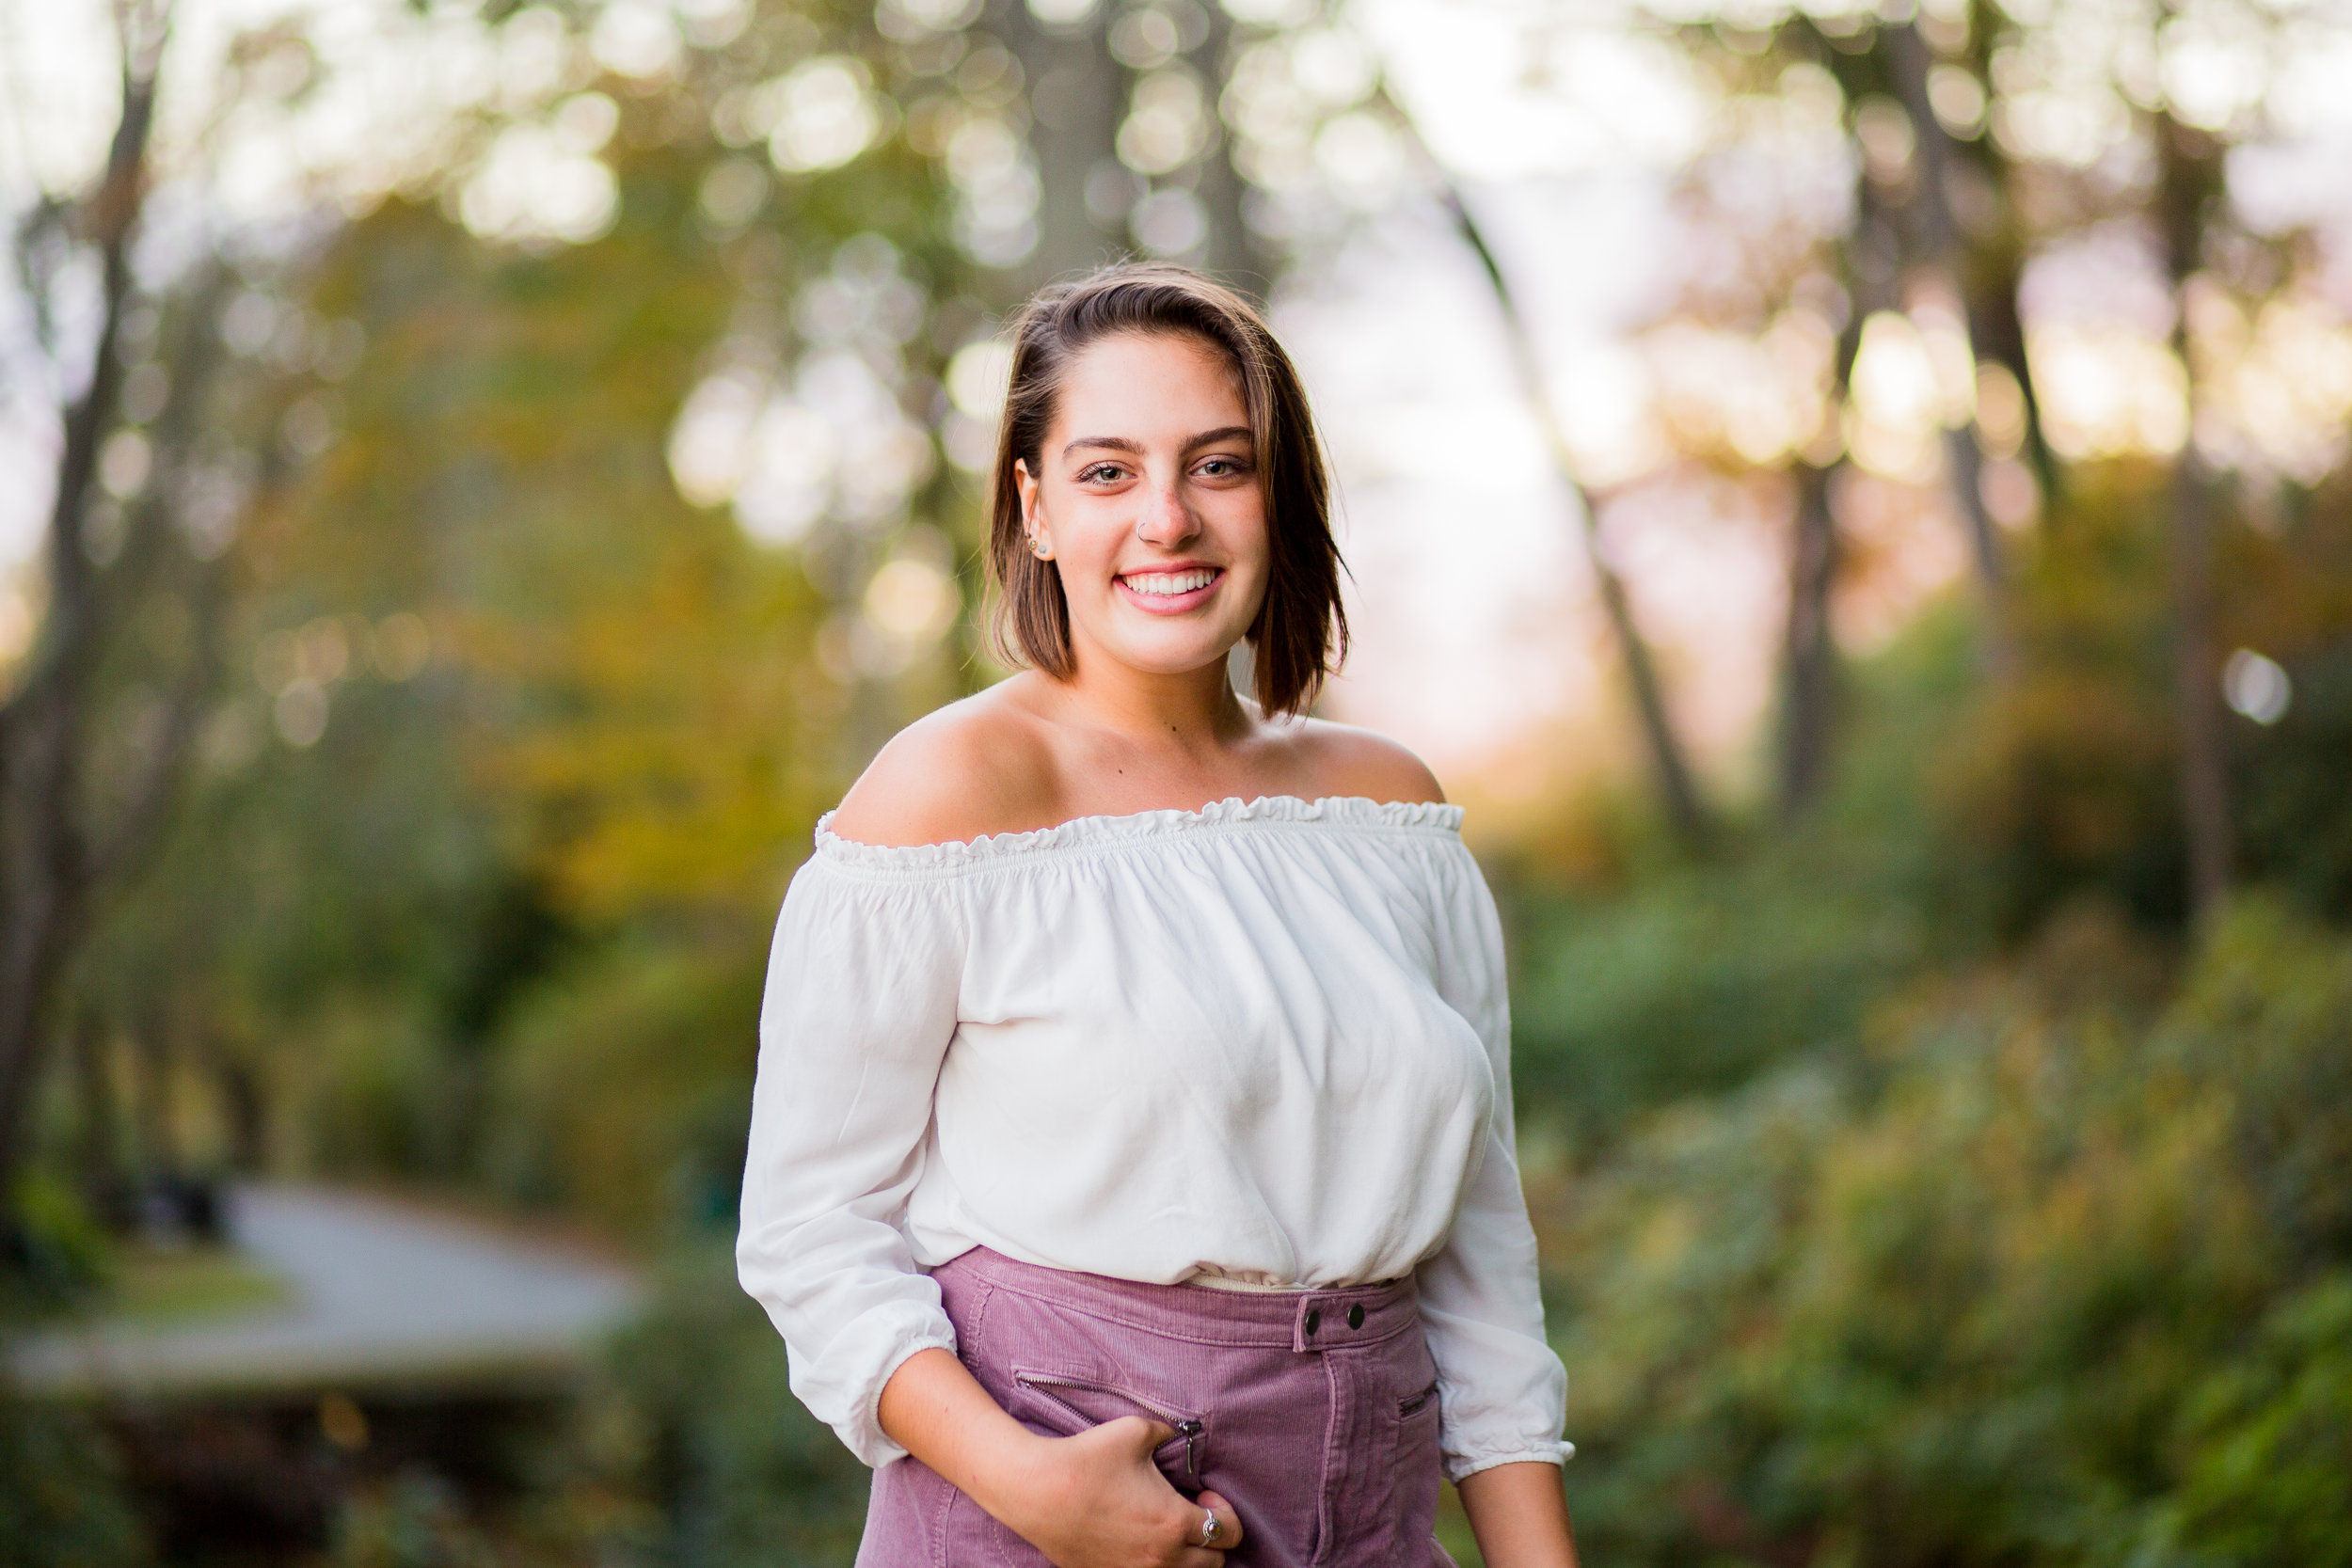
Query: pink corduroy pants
1313 1413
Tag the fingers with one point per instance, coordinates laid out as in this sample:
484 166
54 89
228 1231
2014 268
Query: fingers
1205 1547
1228 1534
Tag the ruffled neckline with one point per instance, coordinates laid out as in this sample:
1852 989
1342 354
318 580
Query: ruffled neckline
1353 812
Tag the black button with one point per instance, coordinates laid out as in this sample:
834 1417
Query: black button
1356 1316
1315 1320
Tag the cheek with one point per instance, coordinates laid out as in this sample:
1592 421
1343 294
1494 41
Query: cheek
1247 539
1081 526
1091 537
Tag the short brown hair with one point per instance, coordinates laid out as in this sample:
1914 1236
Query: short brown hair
1300 634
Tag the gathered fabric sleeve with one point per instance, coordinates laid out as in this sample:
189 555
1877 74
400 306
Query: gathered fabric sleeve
862 981
1502 1392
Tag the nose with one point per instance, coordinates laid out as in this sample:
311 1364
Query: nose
1167 521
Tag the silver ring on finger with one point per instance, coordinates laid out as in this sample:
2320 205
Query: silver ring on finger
1208 1526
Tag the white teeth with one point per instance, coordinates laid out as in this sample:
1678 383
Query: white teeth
1168 584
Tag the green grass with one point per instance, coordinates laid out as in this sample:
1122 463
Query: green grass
160 1286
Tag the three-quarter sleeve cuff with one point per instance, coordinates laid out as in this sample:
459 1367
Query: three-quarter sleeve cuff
1552 1451
843 1388
871 1444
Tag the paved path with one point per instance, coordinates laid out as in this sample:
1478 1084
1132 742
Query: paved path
381 1293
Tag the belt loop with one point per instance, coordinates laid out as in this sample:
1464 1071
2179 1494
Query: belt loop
1308 1325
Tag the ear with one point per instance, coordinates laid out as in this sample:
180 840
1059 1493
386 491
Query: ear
1032 515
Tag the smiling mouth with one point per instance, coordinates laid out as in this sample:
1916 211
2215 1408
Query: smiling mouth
1170 585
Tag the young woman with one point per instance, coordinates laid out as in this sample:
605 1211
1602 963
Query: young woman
1131 1165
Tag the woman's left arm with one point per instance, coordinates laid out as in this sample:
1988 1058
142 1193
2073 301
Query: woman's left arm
1502 1391
1520 1515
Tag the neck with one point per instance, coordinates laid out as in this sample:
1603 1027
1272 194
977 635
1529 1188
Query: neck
1191 710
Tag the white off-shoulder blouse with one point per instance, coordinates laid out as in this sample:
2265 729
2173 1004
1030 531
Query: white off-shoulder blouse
1263 1044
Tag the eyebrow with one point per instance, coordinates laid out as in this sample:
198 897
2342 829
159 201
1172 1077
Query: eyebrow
1135 449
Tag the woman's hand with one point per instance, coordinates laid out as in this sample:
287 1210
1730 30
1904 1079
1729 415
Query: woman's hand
1095 1501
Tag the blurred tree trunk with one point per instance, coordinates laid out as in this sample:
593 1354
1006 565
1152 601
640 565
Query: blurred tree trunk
1996 334
248 1116
1677 786
1940 247
1868 262
45 858
2191 179
1808 705
57 852
152 1123
101 1153
1232 253
1076 101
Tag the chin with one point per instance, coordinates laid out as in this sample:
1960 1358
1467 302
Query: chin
1155 657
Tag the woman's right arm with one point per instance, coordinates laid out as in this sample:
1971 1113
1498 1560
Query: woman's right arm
860 1008
863 982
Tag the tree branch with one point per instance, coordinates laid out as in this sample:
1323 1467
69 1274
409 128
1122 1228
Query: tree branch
44 854
1677 788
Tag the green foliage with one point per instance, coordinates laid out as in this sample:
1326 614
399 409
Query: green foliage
1673 979
613 757
2064 780
1692 986
413 1520
2268 1441
1964 816
62 1501
2297 825
1987 1301
64 1253
623 1092
741 1474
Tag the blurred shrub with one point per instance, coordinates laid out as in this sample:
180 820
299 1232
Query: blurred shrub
2269 1445
62 1501
2064 780
414 1519
623 1092
1690 987
1963 816
375 1094
740 1474
55 1246
2297 812
685 1449
1671 978
2063 1285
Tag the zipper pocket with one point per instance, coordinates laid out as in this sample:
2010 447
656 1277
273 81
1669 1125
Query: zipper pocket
1190 1428
1407 1407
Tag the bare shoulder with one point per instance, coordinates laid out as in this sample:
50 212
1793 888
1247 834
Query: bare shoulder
976 767
1344 760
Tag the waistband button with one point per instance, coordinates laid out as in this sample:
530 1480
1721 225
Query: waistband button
1356 1316
1315 1320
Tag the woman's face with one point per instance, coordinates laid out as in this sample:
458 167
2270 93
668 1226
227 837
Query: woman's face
1147 497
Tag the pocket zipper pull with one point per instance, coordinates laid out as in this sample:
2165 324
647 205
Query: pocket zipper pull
1190 1432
